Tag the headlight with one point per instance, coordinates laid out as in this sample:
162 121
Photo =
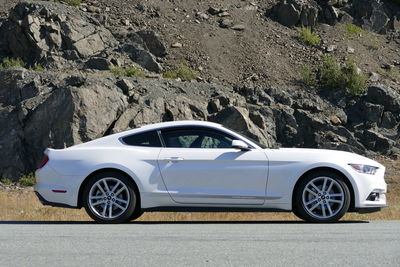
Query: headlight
364 168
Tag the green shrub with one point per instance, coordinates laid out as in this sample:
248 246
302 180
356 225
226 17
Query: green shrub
70 2
7 181
307 75
11 62
182 71
129 72
38 68
27 180
353 29
330 73
307 36
134 72
355 82
117 71
333 76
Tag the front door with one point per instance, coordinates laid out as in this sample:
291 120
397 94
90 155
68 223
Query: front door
199 166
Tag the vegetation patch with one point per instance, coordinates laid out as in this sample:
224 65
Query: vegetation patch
38 68
7 181
128 72
331 75
307 75
354 81
307 36
183 71
11 62
354 29
69 2
27 180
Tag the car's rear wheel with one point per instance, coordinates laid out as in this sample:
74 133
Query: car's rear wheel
322 197
110 197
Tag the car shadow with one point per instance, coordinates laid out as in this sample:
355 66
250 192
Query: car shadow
181 222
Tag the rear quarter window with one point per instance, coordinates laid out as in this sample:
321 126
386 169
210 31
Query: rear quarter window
148 139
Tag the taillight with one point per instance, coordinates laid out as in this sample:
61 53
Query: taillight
44 161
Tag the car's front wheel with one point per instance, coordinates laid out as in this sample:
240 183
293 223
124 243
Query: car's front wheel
322 197
110 197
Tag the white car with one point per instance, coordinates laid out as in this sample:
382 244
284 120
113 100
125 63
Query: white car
203 166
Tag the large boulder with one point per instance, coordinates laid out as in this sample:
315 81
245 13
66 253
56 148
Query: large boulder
294 12
64 37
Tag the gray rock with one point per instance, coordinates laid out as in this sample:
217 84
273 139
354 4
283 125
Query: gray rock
389 121
98 63
202 16
214 10
386 96
331 15
238 27
331 48
346 18
287 14
372 112
374 77
226 23
350 50
238 119
153 42
126 85
293 12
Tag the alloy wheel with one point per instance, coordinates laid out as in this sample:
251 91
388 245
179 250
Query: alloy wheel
323 197
109 198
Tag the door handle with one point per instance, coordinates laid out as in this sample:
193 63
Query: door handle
174 159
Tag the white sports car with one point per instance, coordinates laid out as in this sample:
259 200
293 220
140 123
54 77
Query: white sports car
203 166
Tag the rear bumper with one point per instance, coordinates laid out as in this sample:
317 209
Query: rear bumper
53 204
56 188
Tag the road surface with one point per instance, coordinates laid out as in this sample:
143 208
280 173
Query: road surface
359 243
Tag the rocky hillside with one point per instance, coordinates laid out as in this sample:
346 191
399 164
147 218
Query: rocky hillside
70 83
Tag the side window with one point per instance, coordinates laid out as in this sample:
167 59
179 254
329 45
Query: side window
196 138
149 139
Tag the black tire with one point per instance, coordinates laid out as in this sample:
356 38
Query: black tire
136 214
131 207
336 211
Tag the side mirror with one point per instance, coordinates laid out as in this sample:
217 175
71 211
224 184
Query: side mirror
239 144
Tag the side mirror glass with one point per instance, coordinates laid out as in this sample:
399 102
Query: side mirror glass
239 144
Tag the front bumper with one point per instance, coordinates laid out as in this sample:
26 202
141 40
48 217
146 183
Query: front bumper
367 184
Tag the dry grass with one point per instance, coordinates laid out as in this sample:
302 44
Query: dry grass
24 206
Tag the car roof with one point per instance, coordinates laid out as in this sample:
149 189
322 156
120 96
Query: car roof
177 123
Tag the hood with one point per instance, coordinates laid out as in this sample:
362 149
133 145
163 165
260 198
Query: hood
322 155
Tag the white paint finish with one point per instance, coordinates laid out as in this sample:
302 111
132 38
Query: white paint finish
228 176
214 176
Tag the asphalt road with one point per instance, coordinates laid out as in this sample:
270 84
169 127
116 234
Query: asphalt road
375 243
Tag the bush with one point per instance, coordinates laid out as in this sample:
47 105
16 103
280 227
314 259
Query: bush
70 2
7 181
129 72
182 71
330 73
307 75
307 36
27 180
332 76
11 62
134 72
355 82
354 29
38 68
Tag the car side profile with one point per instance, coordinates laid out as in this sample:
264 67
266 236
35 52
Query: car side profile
203 166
